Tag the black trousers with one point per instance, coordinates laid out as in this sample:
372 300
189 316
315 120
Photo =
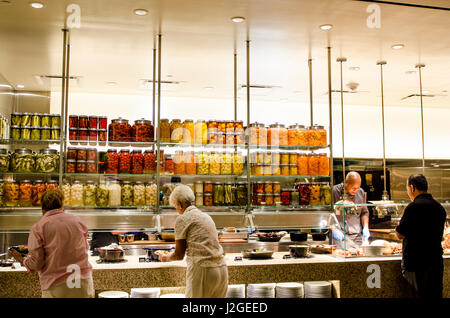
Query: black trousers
427 281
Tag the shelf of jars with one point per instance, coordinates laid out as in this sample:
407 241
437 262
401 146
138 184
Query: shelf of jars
28 141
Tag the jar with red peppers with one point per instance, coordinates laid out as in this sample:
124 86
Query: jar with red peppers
92 154
286 196
83 134
93 122
73 134
81 154
83 122
81 166
73 121
51 185
119 130
102 135
259 199
143 131
71 165
304 194
169 166
37 191
112 161
258 187
91 166
25 190
92 135
149 162
102 123
72 153
137 162
124 161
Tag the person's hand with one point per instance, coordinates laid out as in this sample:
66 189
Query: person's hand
365 233
17 256
164 258
338 235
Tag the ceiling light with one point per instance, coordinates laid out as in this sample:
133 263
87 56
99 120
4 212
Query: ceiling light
111 83
208 88
397 46
326 27
37 5
140 12
238 19
169 75
20 86
353 68
410 72
424 91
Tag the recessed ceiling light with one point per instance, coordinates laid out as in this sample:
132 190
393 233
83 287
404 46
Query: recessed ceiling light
238 19
140 12
425 91
37 5
111 83
397 46
20 86
410 72
208 88
326 27
354 68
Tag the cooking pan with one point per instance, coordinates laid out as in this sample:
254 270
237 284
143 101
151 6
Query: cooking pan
257 254
110 255
297 251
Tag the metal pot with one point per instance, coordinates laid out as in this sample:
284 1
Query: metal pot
299 236
168 236
107 254
297 251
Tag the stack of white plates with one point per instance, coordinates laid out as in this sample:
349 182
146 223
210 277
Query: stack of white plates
261 290
290 290
236 291
145 292
113 294
173 296
319 289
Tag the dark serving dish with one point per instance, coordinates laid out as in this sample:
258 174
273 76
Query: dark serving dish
269 237
299 236
319 236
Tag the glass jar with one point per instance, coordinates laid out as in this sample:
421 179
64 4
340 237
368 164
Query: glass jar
91 154
230 138
119 130
302 164
143 131
115 194
239 138
65 190
93 122
293 158
229 194
5 160
268 187
276 170
25 193
273 134
320 136
226 166
325 194
11 193
72 153
55 133
262 134
47 161
81 166
214 163
169 165
284 169
283 134
139 193
313 165
259 199
178 160
293 171
102 135
212 131
137 162
15 132
304 194
198 199
22 160
188 131
25 120
16 119
293 135
25 133
91 166
257 169
207 199
176 131
92 135
295 198
71 166
286 197
284 156
164 130
200 132
269 199
73 134
221 138
189 163
83 122
202 163
221 126
83 134
310 138
238 163
81 154
276 187
267 170
207 187
90 194
102 122
150 194
218 194
258 187
241 194
149 162
51 185
315 194
73 121
277 199
55 120
257 157
76 194
102 198
198 187
35 133
267 156
127 194
324 165
124 161
239 126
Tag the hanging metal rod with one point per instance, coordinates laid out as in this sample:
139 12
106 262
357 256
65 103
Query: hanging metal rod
310 93
385 195
63 108
235 86
248 124
341 60
420 66
330 119
158 137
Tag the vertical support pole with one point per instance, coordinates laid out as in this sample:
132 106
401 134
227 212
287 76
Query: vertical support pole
310 93
235 86
154 91
248 125
62 136
342 60
330 111
158 137
419 66
385 195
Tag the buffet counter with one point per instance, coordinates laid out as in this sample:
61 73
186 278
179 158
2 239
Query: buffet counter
351 273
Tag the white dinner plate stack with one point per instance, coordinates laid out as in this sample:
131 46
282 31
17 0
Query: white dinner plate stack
173 296
261 290
113 294
318 289
236 291
290 290
145 292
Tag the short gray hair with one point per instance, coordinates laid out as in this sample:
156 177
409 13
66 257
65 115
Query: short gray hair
183 195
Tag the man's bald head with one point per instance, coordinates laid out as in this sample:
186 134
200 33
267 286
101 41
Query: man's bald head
352 182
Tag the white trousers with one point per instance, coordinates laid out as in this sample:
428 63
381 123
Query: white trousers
62 291
206 282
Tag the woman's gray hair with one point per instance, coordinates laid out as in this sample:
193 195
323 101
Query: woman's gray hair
183 195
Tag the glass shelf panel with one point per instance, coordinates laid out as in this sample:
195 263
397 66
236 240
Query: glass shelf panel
30 142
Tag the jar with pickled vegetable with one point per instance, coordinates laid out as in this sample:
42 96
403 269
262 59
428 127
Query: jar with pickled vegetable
2 192
45 120
320 136
91 154
15 132
91 166
93 122
76 194
198 199
214 163
25 133
25 189
221 138
16 119
55 120
269 199
267 170
92 135
262 134
176 131
164 130
73 134
207 199
268 187
83 121
189 163
293 171
202 160
73 121
71 166
258 187
143 131
124 161
83 134
101 135
257 169
286 196
55 133
188 131
115 194
25 120
284 169
178 161
139 193
207 187
241 194
51 185
276 187
65 190
238 163
102 198
313 165
81 154
198 187
276 170
90 194
295 198
36 120
229 138
22 160
137 162
304 194
119 130
150 194
229 194
273 134
200 132
5 159
47 161
302 164
149 162
259 199
35 133
284 156
222 126
218 194
315 194
127 194
212 131
293 135
239 138
169 165
325 194
81 166
324 165
102 122
11 193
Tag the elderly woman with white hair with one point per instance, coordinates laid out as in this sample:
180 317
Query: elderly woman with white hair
196 236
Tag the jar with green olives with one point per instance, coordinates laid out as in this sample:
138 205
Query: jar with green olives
4 160
127 194
89 193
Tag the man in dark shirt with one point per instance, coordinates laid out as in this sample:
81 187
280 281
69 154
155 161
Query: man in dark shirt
421 228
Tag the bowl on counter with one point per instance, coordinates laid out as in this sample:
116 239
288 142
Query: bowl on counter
110 254
154 252
257 253
297 251
319 236
269 237
299 236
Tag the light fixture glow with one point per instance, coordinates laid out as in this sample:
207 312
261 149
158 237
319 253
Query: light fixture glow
425 91
410 72
20 86
326 27
111 83
238 19
140 12
353 68
397 46
208 88
36 5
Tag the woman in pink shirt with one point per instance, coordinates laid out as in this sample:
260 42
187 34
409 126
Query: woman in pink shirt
58 251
